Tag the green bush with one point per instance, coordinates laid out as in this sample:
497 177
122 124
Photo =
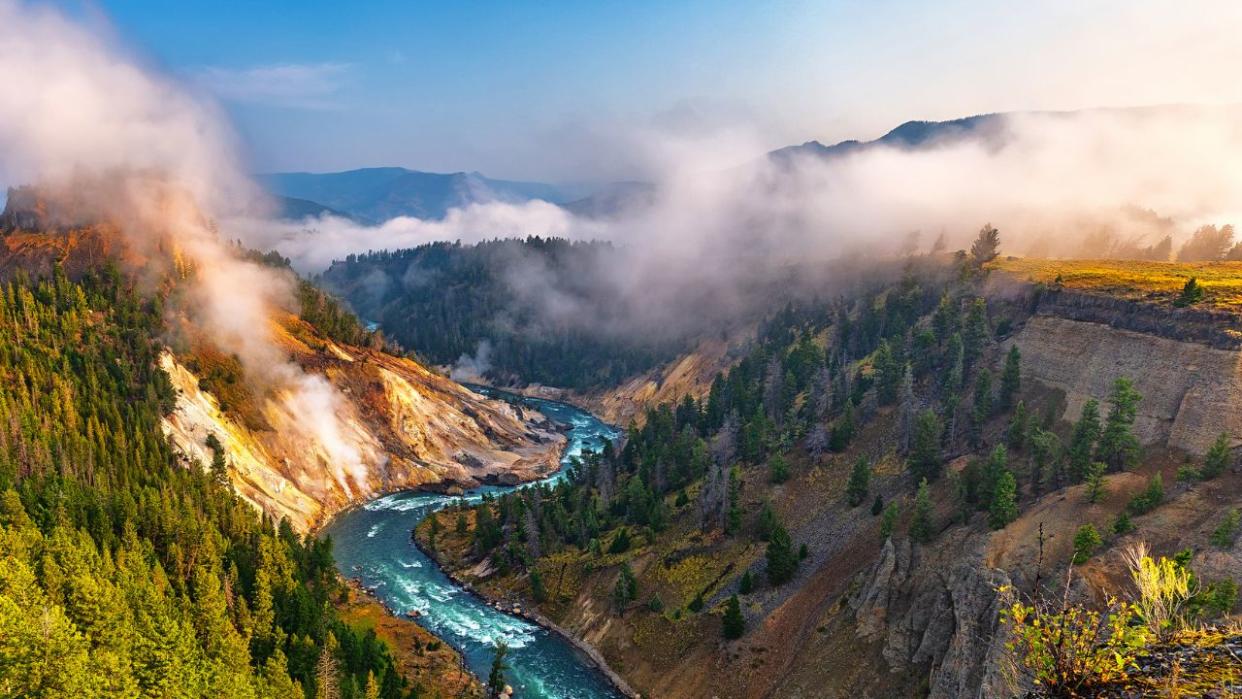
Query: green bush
1225 533
1086 541
1150 498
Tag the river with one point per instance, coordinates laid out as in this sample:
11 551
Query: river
372 543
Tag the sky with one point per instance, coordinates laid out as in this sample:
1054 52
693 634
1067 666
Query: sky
557 90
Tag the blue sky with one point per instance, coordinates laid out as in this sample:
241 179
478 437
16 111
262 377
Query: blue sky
550 90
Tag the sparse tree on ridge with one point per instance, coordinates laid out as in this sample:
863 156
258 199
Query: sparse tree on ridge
986 246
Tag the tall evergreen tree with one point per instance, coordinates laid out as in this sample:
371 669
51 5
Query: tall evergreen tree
1082 441
888 374
1004 508
925 455
920 524
860 480
1011 378
733 624
1118 447
782 559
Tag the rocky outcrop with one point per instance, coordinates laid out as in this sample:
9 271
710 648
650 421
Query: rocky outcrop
1220 329
1189 389
942 615
404 427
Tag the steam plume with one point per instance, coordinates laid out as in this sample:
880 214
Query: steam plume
108 140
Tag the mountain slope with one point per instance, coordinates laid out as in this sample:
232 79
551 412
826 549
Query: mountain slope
715 499
380 193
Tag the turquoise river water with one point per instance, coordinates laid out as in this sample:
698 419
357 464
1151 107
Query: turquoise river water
372 543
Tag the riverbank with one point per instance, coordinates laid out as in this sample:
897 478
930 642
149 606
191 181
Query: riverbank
432 666
372 544
528 613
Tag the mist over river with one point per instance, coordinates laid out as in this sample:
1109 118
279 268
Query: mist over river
372 543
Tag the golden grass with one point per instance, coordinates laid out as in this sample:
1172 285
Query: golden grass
1155 282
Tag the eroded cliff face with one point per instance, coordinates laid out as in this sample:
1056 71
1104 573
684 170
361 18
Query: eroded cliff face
1189 388
691 374
408 427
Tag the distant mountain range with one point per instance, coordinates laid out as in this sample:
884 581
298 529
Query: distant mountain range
372 195
912 134
380 193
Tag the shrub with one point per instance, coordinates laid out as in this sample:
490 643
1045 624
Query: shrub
1163 588
1187 474
1150 498
1123 525
1068 649
620 542
778 469
1224 534
1192 292
1086 541
1217 458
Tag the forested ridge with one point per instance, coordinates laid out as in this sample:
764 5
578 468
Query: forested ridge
122 572
865 399
533 304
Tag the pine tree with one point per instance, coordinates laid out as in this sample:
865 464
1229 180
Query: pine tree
986 245
1082 441
1118 447
1217 458
1011 378
877 505
1018 433
767 522
747 584
733 624
843 429
921 525
1004 507
782 560
1086 541
778 469
733 518
860 480
888 520
626 589
976 333
1192 293
905 419
888 373
925 455
537 591
1095 482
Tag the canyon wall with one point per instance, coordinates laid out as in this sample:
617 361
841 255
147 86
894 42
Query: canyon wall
1189 374
414 428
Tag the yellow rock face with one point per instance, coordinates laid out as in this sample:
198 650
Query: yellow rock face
359 423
